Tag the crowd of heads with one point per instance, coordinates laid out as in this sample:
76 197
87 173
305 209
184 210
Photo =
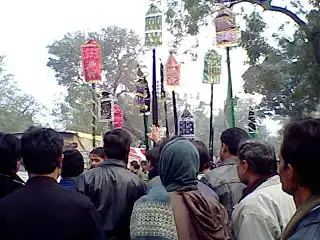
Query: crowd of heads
42 153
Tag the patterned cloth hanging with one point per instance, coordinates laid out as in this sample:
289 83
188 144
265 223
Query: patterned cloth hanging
143 95
212 67
153 27
226 28
106 108
186 124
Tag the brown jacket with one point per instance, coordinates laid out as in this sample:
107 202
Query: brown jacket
199 217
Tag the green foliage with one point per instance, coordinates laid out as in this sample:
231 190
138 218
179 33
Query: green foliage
120 50
288 76
17 109
287 73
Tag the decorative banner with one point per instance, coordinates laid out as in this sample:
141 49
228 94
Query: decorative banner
172 72
226 28
118 117
212 67
252 123
91 61
143 95
106 108
186 124
153 27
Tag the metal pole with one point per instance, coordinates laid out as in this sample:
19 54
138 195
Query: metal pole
155 120
145 123
94 115
175 114
230 93
211 132
163 96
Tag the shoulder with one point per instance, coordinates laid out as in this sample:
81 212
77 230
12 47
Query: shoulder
266 202
222 175
309 226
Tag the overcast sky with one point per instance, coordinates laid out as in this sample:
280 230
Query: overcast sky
27 27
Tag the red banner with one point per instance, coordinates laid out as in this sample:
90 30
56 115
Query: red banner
91 61
172 72
118 117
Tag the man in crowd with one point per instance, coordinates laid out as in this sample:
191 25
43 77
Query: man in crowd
42 209
72 167
112 188
300 177
96 157
224 179
145 172
206 164
264 207
10 159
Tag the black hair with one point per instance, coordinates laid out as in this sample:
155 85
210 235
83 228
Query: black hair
135 165
232 137
205 159
260 156
143 163
153 156
10 153
117 144
41 150
73 163
99 151
300 149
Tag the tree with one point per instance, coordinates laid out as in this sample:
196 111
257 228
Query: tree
120 50
17 109
286 75
190 15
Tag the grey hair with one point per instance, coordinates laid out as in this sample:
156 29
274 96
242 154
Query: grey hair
259 155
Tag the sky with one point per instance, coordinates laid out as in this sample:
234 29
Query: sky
27 27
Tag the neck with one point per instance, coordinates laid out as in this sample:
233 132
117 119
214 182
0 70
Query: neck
227 156
301 195
53 175
253 179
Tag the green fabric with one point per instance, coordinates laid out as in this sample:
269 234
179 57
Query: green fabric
179 164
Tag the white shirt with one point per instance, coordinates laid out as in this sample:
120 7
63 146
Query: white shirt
264 213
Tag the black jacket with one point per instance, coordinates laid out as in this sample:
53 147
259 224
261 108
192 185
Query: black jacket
9 184
44 210
113 189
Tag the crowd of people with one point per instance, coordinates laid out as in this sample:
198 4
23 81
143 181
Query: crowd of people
177 194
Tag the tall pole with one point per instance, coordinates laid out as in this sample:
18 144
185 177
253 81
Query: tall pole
163 96
230 93
211 132
145 123
175 113
94 115
155 119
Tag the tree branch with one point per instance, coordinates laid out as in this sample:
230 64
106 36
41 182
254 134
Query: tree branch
266 5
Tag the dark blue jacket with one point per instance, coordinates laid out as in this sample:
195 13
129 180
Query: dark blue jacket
68 183
309 227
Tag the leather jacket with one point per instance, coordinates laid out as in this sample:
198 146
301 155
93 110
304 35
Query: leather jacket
113 190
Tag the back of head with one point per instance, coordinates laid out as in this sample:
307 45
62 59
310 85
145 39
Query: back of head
153 157
179 164
232 137
260 156
99 151
300 149
73 163
204 154
10 153
135 165
117 144
41 150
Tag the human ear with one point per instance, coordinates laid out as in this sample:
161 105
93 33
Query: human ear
60 161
